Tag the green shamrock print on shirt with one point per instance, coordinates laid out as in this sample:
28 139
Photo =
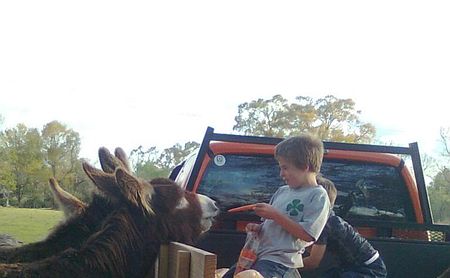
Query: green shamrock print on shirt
294 207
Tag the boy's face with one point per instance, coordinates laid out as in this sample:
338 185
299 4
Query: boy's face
292 175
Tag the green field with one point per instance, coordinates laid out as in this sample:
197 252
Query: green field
28 225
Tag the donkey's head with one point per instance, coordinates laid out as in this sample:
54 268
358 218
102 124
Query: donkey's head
179 215
182 215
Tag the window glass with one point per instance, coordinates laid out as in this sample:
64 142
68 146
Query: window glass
365 190
369 190
235 180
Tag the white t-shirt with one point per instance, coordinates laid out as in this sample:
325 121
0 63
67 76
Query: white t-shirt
308 206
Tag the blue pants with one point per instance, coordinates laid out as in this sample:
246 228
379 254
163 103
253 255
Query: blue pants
377 269
267 269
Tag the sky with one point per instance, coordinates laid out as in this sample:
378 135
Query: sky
156 73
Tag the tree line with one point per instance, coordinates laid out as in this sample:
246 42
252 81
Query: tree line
30 156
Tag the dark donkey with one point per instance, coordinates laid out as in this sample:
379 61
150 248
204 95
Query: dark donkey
81 220
126 241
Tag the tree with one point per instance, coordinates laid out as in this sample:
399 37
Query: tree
152 163
263 117
25 172
439 192
174 155
144 163
330 118
30 157
429 165
81 186
445 140
440 188
7 181
61 148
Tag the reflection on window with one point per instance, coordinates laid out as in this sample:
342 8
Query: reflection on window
241 180
367 191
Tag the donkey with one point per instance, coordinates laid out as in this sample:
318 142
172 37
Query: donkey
126 242
81 221
71 233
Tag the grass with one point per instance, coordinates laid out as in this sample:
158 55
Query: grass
28 225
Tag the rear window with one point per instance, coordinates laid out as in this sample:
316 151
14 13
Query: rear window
365 190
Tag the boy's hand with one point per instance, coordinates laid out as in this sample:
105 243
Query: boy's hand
253 227
266 211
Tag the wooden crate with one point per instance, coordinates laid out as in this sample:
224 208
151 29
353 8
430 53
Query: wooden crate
177 260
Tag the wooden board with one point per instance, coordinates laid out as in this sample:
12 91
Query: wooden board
179 260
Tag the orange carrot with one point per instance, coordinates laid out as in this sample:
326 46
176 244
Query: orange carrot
243 208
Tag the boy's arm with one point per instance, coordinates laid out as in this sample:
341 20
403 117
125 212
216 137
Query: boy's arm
315 256
267 211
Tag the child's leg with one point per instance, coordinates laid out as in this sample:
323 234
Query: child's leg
270 269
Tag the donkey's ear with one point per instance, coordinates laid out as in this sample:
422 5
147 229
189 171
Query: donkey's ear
121 155
68 203
108 162
135 191
105 182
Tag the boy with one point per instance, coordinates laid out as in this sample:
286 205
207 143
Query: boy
297 212
356 256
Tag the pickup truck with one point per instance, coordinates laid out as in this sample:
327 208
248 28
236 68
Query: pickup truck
381 192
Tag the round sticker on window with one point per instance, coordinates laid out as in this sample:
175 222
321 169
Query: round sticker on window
219 160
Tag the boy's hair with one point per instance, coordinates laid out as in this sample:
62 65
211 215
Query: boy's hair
329 187
303 151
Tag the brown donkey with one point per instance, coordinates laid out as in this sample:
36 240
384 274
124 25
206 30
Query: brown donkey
125 240
81 221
